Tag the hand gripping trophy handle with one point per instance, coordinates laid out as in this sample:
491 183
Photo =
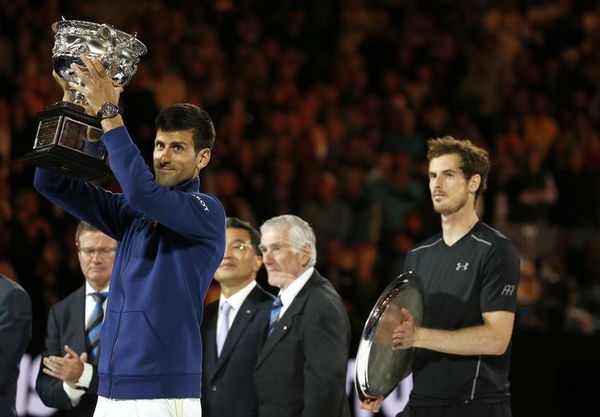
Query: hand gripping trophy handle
67 138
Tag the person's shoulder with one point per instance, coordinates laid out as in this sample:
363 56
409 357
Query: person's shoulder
208 204
8 286
261 294
259 299
76 296
13 295
321 290
6 283
487 235
61 308
497 243
323 303
204 197
427 244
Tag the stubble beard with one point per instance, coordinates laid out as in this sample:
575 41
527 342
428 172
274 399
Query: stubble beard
163 180
449 209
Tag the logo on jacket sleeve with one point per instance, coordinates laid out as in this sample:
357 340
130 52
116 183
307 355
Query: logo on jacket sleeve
201 201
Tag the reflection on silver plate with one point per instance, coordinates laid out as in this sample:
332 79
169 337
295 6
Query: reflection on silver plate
379 369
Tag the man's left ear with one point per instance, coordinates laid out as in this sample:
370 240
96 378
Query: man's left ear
474 183
203 158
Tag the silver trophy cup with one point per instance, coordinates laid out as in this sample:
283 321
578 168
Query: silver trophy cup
67 138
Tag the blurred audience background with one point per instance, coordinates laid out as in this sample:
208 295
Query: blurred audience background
323 109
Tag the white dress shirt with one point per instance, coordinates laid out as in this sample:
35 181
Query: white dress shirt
235 301
292 290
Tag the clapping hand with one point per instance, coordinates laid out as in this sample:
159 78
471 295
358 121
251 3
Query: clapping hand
67 368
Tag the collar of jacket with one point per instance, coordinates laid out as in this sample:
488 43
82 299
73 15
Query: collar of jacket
191 185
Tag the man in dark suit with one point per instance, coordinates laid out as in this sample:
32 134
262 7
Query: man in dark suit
301 368
68 378
15 333
234 326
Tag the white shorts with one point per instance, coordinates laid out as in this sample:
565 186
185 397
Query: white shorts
161 407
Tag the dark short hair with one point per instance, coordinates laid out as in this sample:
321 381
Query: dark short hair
234 222
184 116
473 159
83 227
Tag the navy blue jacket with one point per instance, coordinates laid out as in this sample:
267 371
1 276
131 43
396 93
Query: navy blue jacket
170 241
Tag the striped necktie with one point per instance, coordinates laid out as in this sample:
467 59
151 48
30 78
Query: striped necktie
274 315
92 333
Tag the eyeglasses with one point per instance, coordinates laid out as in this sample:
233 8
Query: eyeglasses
89 252
239 246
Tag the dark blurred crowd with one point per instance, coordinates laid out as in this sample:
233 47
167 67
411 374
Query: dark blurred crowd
323 109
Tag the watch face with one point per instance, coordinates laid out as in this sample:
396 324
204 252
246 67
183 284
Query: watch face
108 110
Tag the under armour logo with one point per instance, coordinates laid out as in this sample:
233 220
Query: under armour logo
508 290
460 266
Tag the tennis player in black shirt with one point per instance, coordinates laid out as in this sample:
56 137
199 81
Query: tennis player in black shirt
469 275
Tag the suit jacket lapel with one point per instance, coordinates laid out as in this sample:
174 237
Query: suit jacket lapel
77 312
286 321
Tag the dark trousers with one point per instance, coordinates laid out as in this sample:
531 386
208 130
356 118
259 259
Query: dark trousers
472 409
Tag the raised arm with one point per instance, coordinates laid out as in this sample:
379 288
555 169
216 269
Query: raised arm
101 208
193 214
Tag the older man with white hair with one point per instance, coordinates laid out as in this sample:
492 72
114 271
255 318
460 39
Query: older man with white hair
301 368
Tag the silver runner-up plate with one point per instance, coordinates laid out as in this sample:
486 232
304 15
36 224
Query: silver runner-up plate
379 368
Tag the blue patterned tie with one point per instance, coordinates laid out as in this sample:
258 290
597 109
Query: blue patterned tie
92 333
274 315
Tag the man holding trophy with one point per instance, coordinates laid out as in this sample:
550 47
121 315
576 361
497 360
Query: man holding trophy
171 239
67 139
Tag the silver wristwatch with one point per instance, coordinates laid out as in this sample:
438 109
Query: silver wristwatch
108 110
